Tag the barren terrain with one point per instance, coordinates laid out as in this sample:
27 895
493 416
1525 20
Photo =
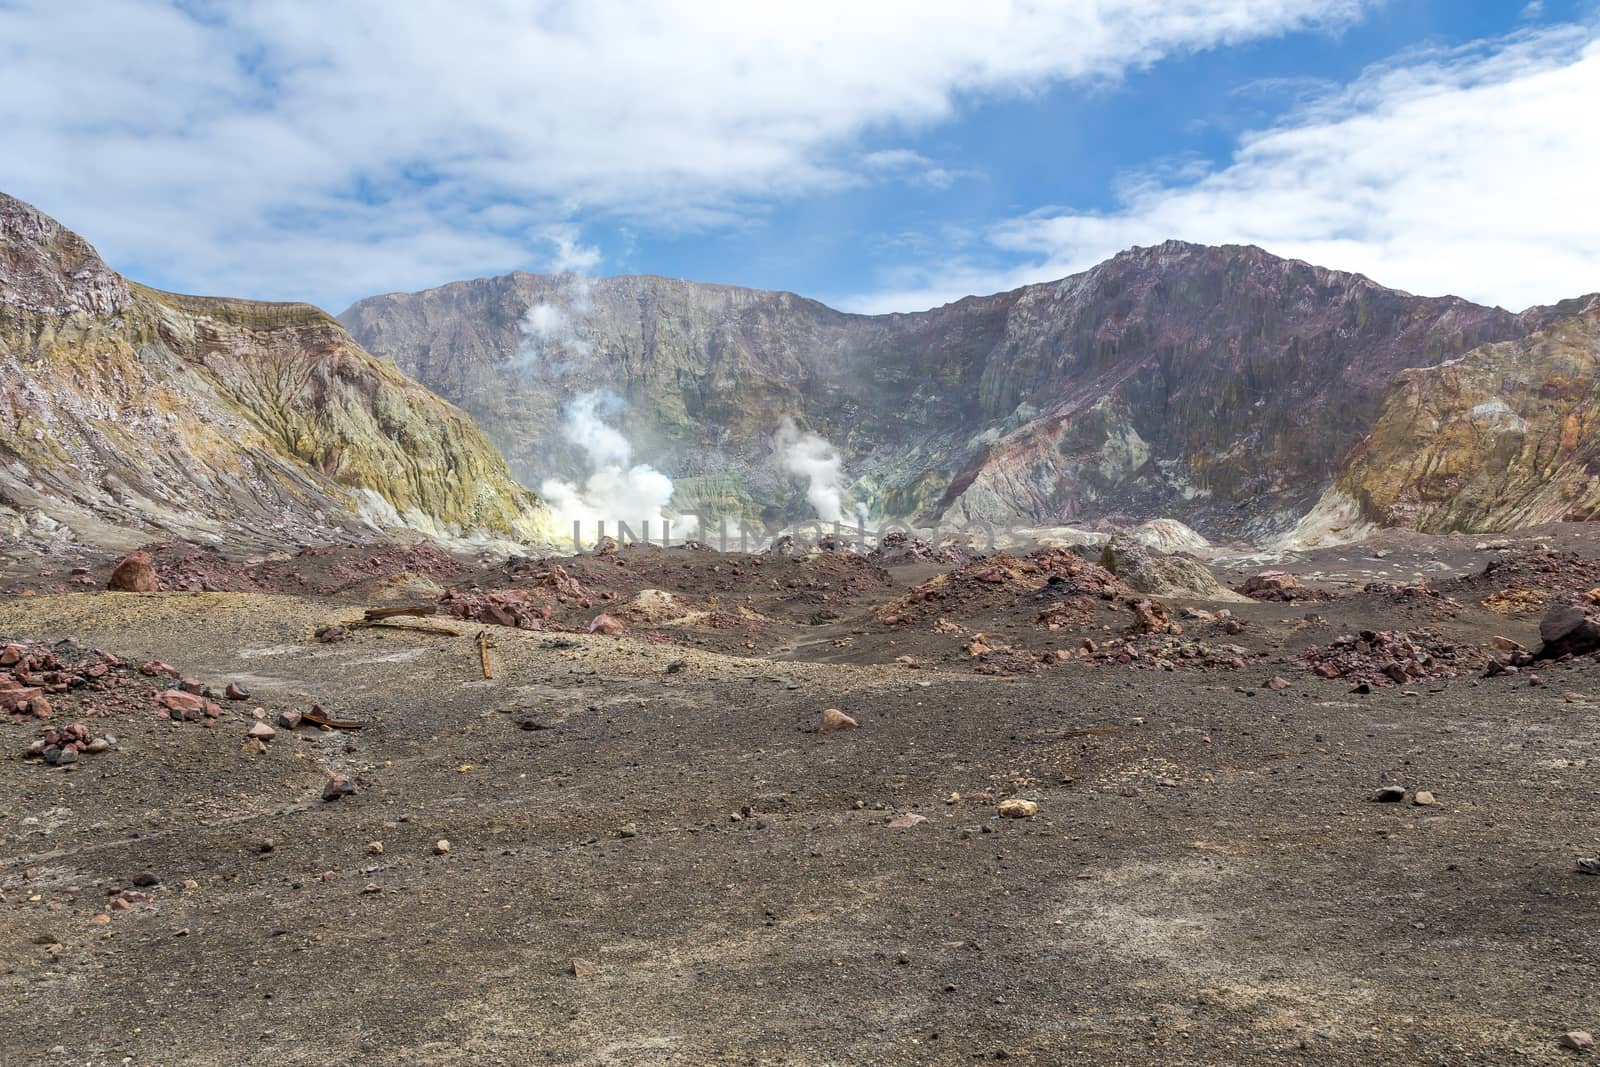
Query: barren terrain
654 857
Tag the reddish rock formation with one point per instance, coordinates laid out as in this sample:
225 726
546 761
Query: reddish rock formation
134 574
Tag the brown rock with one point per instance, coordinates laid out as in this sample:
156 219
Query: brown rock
338 786
834 720
11 655
1277 683
289 720
134 574
1577 1040
1017 808
605 624
582 968
155 668
21 700
261 732
1423 799
235 691
1272 585
178 700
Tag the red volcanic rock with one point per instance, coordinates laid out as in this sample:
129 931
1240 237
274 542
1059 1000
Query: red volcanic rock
1272 585
135 574
186 705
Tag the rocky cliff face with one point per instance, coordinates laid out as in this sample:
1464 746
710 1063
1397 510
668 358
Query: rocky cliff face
1503 437
1220 385
126 412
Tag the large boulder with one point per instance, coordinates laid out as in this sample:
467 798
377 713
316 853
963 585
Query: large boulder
1568 628
135 574
1158 575
1273 585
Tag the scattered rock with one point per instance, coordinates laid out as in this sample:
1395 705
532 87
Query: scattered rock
582 968
338 786
235 691
834 720
1588 865
1017 808
1277 683
134 574
187 706
628 829
1389 794
146 879
261 732
375 848
1577 1040
1386 657
289 720
905 821
1423 799
605 624
441 846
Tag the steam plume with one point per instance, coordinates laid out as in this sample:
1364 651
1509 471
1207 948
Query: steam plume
810 456
614 491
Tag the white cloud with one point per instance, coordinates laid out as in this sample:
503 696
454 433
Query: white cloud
286 148
1470 172
906 165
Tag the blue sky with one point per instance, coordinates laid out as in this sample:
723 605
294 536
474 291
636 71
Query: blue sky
878 157
1067 147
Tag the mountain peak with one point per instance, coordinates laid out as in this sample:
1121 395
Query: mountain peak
46 268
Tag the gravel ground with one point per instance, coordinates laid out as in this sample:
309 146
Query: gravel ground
1207 879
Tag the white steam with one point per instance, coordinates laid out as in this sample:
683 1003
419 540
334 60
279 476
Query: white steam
810 456
554 335
555 331
614 491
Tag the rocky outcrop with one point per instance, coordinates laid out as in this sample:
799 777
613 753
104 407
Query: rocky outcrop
126 412
1148 571
1500 438
1220 386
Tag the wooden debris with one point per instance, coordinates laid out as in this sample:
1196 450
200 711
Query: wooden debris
398 624
483 652
317 717
402 609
